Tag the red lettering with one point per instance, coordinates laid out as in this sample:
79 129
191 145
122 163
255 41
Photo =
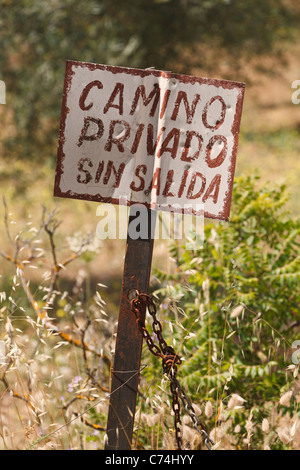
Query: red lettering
183 182
213 189
190 111
118 173
189 135
164 103
191 188
169 182
141 91
221 119
118 90
88 177
217 161
174 135
99 172
151 147
143 169
85 92
137 138
155 183
123 133
86 126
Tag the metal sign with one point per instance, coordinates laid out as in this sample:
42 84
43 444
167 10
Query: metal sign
159 139
163 140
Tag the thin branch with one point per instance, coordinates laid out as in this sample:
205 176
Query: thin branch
77 397
97 427
6 223
86 411
24 398
47 323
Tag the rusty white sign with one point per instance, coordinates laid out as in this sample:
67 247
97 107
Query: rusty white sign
156 138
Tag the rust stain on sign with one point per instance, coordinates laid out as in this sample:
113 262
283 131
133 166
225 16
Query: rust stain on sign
163 140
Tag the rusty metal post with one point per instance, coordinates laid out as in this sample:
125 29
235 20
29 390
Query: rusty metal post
127 359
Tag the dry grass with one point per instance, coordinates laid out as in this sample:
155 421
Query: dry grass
50 383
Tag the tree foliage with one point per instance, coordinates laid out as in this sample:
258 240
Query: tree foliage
234 305
38 37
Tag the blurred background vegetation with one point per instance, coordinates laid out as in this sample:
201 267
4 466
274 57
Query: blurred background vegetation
179 35
251 41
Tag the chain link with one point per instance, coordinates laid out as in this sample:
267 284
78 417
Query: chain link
191 412
140 303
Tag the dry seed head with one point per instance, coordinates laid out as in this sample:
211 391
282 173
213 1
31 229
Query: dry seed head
294 427
197 409
186 419
205 287
235 401
188 434
265 426
285 399
284 435
152 419
236 312
208 410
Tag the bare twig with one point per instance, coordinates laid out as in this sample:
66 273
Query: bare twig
6 223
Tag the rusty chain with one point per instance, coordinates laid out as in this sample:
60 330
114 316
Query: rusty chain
140 303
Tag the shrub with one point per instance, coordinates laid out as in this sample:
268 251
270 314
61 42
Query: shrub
234 308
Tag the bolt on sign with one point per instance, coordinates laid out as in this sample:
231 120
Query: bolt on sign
160 139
